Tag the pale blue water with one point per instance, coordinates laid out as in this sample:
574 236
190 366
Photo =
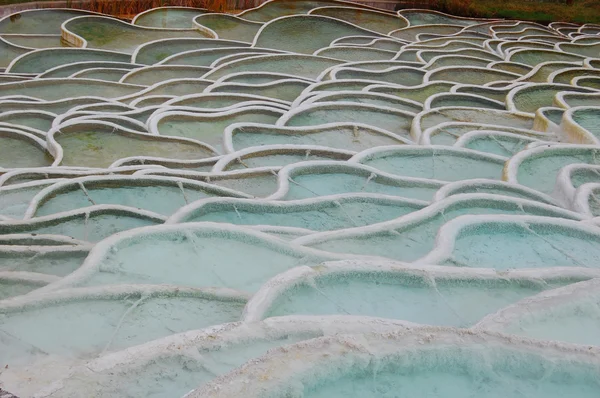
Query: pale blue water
588 119
540 172
297 65
395 122
532 98
21 151
346 137
152 75
415 239
72 68
179 18
59 263
377 21
434 165
208 128
199 259
206 57
261 185
151 53
504 190
14 202
41 61
574 322
50 90
283 158
461 373
163 199
351 54
402 76
95 324
13 289
229 27
283 34
465 100
513 246
175 373
110 34
499 144
319 217
92 229
312 185
371 99
286 91
583 176
459 303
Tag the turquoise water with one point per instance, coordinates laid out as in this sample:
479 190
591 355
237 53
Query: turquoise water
20 151
588 119
61 262
369 99
51 90
445 166
286 90
415 238
169 17
447 303
10 289
209 128
377 21
348 137
464 100
172 258
353 54
43 60
206 57
525 246
162 198
585 175
108 324
502 145
447 372
14 201
111 34
302 66
282 158
228 27
91 228
324 216
174 374
218 158
319 184
76 67
403 76
529 99
539 172
153 52
281 34
387 119
572 318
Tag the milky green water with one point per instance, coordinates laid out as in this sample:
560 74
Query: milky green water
199 259
453 373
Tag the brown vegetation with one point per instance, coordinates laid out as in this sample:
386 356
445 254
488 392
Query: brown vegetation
454 7
129 8
578 11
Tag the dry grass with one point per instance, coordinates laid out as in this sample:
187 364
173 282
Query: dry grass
129 8
581 11
454 7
